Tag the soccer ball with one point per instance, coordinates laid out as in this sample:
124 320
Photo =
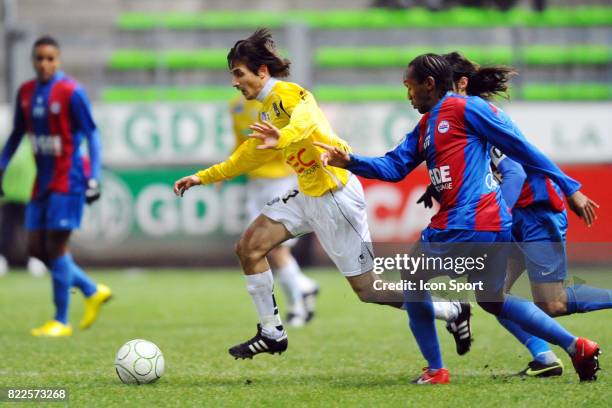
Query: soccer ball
139 362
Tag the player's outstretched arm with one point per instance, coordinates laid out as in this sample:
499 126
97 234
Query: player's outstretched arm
393 166
185 183
583 206
333 155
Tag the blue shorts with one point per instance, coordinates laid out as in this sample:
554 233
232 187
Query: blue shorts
493 246
55 211
540 235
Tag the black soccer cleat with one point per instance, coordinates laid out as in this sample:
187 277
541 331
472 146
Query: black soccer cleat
540 370
259 344
460 328
310 301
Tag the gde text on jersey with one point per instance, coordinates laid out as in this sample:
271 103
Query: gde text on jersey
440 177
46 145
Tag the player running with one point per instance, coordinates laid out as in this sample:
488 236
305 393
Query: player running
54 111
452 138
328 202
539 225
265 183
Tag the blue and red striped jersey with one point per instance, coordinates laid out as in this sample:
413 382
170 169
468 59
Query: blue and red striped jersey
537 187
540 189
452 138
56 115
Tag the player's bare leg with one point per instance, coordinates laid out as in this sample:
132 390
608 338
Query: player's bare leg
550 297
365 285
514 270
256 242
36 245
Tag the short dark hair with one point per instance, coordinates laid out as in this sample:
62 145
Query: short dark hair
433 65
258 50
483 81
45 40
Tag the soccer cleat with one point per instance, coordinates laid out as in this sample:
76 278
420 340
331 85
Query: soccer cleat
537 369
53 328
586 359
460 328
441 376
93 303
259 344
310 301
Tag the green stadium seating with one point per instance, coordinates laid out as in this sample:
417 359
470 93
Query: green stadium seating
363 93
584 16
369 57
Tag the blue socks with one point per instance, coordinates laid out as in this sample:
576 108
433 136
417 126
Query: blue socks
539 349
61 274
421 315
583 298
532 319
65 273
80 279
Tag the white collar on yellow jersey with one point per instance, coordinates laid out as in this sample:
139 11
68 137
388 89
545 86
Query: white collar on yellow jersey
265 91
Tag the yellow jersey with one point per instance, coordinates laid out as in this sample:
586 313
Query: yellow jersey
244 113
295 112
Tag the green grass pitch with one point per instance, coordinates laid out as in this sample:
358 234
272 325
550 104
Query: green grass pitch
353 354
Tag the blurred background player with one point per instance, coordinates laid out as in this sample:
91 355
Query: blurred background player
539 226
55 112
452 138
271 180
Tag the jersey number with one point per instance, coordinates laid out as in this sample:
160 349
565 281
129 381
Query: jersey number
289 195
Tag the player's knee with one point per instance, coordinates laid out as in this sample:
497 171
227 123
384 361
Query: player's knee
494 308
35 250
249 251
365 294
556 308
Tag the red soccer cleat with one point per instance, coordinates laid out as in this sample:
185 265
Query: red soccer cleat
586 359
439 377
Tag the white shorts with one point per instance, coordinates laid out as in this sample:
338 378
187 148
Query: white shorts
339 220
260 191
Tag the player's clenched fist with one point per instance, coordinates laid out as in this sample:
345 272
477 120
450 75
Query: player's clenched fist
184 184
333 155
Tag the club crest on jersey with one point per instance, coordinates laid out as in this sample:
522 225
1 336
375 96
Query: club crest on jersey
55 108
276 110
443 126
264 116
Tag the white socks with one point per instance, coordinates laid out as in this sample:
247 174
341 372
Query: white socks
446 310
260 287
289 278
